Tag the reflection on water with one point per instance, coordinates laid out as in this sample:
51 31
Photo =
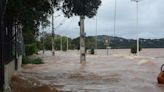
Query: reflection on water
117 72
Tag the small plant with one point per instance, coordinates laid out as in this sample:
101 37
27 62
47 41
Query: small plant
86 49
64 49
92 51
27 60
31 49
134 49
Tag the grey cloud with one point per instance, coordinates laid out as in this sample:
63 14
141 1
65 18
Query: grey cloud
151 20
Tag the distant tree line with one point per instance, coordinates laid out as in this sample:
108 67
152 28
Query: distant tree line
116 43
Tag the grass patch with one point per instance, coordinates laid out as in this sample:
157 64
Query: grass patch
27 60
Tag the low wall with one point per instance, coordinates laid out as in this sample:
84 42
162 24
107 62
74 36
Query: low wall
10 69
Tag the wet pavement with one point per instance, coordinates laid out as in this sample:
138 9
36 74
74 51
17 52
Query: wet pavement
117 72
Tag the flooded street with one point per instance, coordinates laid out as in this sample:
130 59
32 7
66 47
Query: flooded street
117 72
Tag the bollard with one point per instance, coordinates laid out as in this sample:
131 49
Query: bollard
161 76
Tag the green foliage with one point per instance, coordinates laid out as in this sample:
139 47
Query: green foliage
92 51
75 43
37 61
47 42
134 49
80 7
64 43
39 45
90 42
31 49
152 43
27 60
30 14
119 43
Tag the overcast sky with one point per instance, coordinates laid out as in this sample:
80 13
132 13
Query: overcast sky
151 20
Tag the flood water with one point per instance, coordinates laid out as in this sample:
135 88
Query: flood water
117 72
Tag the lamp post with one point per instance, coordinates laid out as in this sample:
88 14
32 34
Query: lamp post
96 37
61 43
137 23
53 33
43 35
115 14
67 44
96 34
82 41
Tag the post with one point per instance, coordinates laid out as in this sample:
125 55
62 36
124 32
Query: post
107 44
96 34
61 43
82 41
138 46
137 23
43 35
67 44
53 50
107 49
115 14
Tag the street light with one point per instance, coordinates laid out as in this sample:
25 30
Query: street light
137 1
96 34
53 34
115 14
96 42
43 35
53 29
67 44
61 43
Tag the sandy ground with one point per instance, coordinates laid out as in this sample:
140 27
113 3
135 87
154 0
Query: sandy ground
117 72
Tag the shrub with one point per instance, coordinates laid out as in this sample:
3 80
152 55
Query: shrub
64 48
134 49
27 60
31 49
92 51
37 61
86 49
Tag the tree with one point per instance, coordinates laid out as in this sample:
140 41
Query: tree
134 49
80 7
30 14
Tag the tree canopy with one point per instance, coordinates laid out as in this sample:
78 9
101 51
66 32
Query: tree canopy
80 7
30 14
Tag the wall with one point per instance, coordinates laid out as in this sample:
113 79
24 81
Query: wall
10 69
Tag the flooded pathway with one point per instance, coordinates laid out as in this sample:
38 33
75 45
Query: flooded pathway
118 72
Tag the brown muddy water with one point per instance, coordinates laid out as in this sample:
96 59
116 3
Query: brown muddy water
117 72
